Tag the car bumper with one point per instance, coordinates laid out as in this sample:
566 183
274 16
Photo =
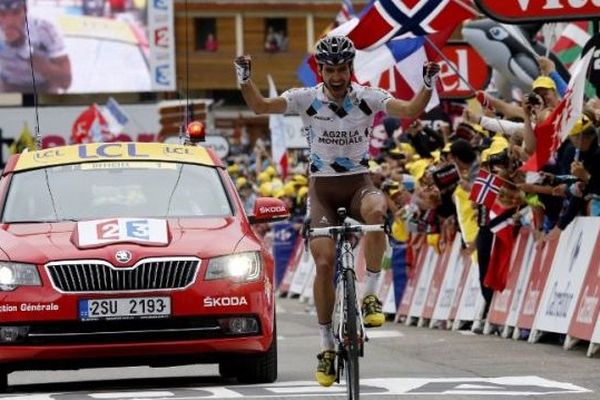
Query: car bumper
153 354
194 333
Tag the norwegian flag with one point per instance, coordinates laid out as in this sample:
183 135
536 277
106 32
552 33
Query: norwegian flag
387 19
486 188
345 14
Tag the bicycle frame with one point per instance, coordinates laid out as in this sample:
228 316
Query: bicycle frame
350 344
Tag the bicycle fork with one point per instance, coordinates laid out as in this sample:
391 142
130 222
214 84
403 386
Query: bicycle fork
347 263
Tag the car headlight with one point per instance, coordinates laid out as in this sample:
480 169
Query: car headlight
241 267
13 275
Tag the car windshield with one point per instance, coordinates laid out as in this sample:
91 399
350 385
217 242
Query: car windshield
115 189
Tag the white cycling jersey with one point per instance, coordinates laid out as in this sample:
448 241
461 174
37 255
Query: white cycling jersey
15 68
338 136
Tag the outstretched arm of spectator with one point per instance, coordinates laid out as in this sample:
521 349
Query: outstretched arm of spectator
506 127
548 68
506 109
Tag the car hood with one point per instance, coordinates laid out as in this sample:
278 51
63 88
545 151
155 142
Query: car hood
201 237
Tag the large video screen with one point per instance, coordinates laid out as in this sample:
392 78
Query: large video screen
86 46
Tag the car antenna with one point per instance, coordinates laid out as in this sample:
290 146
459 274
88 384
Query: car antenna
36 129
183 139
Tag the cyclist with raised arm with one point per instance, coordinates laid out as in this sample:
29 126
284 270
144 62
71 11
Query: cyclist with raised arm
338 115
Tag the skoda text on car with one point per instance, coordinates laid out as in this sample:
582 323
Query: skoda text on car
115 254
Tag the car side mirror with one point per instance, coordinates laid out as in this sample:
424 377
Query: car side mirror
268 209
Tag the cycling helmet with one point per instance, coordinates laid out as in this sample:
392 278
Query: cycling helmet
335 50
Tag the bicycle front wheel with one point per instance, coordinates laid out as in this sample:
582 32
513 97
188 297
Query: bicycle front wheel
351 345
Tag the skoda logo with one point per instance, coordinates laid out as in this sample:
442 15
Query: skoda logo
123 256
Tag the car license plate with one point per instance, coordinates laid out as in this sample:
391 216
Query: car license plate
124 308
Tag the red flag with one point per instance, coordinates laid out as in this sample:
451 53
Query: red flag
486 188
497 272
550 133
83 127
547 140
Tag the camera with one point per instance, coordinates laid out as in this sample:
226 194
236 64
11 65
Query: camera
499 158
533 99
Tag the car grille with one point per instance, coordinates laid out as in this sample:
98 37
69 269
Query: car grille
100 276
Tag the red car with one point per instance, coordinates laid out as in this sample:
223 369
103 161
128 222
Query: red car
117 254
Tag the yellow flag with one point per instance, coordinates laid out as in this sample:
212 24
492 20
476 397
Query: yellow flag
24 141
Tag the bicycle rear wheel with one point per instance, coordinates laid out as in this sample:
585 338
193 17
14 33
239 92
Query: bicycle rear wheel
351 344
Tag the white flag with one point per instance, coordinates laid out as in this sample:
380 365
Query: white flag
277 126
573 97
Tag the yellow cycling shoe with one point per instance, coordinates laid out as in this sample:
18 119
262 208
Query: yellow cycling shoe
371 310
325 374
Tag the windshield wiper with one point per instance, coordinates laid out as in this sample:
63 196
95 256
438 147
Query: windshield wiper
41 221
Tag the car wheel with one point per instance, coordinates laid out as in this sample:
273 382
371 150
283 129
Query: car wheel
3 381
261 368
228 369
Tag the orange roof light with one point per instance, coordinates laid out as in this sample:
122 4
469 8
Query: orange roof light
196 131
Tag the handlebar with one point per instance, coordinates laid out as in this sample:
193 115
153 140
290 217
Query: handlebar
341 229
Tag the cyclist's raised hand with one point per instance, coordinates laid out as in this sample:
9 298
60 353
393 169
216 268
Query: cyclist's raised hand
430 73
243 66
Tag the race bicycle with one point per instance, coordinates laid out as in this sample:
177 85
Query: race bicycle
348 326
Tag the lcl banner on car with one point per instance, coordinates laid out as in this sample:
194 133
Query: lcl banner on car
471 67
520 11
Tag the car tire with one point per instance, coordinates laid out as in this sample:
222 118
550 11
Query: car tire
228 369
261 368
3 381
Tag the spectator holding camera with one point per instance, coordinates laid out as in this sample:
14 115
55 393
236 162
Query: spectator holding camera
584 170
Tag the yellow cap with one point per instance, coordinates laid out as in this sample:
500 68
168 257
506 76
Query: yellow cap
300 179
581 125
499 144
265 189
302 192
263 177
271 171
417 168
407 149
374 168
276 183
543 82
233 169
480 129
279 193
240 182
289 189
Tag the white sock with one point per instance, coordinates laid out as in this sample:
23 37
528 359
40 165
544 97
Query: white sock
372 281
327 340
